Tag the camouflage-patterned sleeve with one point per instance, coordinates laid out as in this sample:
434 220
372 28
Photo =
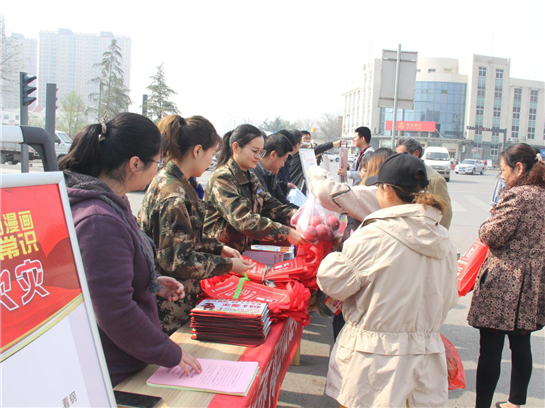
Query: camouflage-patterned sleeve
237 210
277 211
175 248
212 245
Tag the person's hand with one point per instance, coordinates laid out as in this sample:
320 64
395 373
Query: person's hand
172 289
291 185
337 143
342 172
188 361
241 265
228 252
295 237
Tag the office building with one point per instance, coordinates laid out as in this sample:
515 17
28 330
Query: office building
469 113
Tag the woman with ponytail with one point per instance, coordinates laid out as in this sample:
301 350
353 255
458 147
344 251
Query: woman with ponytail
107 161
396 276
239 209
172 215
509 297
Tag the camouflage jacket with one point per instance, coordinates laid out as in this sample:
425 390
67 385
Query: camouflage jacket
241 210
172 215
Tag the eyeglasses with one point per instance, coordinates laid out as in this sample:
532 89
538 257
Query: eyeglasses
259 153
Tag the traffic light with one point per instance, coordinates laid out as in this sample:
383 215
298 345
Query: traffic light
26 89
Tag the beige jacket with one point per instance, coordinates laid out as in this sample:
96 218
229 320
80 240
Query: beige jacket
396 277
355 201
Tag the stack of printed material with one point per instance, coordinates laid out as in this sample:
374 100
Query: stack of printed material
291 301
239 322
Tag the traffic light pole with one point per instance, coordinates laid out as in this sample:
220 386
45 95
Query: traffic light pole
50 108
25 99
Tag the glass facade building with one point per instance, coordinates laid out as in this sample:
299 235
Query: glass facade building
439 102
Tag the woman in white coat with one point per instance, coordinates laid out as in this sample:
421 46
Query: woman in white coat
396 277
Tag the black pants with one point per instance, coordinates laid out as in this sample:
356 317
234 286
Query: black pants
488 368
338 324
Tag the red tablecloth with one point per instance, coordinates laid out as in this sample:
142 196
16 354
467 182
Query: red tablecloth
274 357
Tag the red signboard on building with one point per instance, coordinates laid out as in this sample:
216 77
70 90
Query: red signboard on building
406 126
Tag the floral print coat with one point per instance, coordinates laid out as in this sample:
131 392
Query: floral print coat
510 288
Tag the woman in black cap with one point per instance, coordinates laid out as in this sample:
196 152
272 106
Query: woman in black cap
396 276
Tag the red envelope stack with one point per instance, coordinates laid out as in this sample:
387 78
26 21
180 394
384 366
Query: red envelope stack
302 268
292 301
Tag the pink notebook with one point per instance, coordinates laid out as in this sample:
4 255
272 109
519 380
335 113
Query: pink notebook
217 376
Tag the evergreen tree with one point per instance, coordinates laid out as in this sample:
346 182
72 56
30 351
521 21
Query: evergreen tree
275 125
113 94
159 104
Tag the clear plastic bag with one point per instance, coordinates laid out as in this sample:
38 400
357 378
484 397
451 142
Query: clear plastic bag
314 222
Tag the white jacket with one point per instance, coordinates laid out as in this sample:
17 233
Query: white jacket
356 201
396 277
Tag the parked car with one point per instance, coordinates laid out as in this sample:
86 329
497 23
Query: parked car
352 157
470 166
438 159
332 157
63 143
214 163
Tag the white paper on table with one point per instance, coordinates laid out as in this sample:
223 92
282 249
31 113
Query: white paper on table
219 376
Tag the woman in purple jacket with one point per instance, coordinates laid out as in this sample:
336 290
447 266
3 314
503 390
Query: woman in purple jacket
105 162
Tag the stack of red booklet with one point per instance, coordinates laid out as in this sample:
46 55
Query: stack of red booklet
239 322
303 268
291 301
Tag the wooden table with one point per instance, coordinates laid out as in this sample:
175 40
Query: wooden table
273 356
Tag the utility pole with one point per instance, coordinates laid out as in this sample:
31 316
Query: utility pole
396 88
50 108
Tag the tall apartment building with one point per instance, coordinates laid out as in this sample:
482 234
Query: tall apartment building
24 60
67 58
466 112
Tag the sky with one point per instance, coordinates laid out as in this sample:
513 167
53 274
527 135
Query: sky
234 61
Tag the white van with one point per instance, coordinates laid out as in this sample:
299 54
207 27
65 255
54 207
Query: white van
438 159
62 143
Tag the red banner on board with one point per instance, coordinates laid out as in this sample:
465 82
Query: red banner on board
38 277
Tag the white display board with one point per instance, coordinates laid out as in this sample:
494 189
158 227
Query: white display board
50 350
308 160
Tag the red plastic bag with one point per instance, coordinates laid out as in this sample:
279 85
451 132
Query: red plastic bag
455 368
469 265
315 222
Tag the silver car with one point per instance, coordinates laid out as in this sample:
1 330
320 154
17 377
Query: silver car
470 166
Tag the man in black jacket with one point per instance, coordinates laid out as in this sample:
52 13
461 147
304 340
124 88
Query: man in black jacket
283 177
277 148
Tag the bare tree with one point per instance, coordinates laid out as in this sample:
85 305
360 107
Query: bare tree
10 58
328 126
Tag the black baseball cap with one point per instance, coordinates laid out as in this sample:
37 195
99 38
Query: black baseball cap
401 170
